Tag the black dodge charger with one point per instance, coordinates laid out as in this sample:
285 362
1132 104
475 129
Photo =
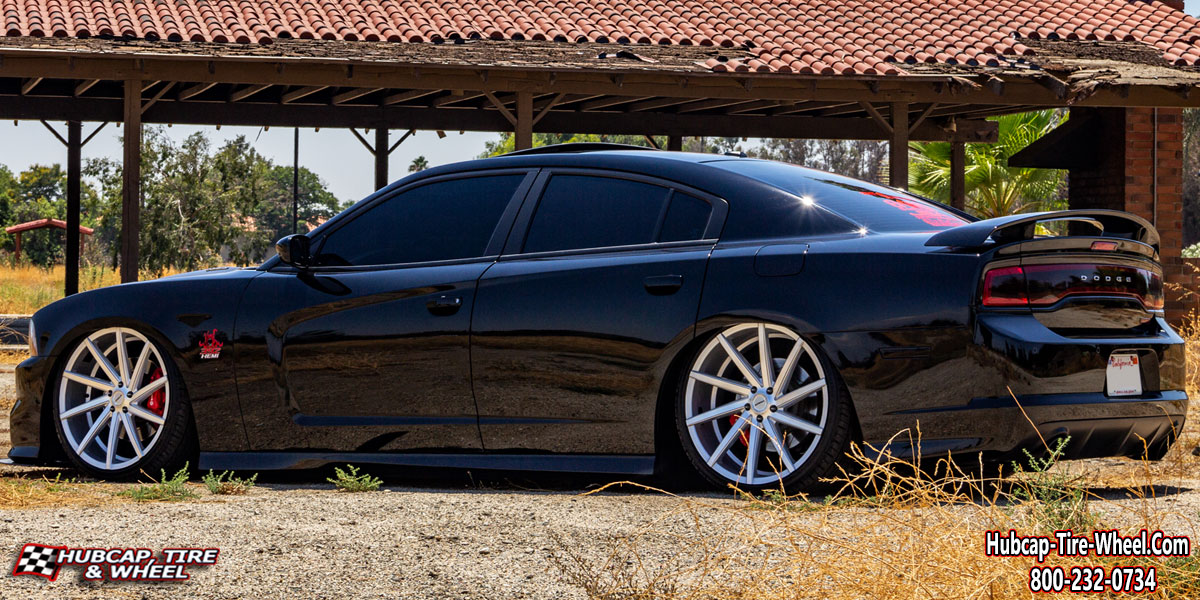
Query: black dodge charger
603 309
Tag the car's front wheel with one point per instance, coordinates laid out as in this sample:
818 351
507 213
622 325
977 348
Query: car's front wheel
761 408
119 406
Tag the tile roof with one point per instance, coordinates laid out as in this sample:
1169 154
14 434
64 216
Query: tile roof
797 36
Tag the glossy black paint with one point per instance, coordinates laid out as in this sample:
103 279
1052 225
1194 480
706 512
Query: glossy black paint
520 360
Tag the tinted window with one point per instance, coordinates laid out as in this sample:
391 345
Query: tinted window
877 207
438 221
578 211
687 217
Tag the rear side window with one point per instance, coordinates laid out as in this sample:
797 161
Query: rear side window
687 218
439 221
876 207
581 211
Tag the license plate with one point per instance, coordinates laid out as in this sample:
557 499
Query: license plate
1124 375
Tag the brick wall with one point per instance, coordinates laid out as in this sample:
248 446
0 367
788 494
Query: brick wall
1128 178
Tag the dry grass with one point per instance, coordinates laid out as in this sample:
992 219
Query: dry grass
25 288
891 532
33 491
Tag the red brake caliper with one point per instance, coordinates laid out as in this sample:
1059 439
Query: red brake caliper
158 399
733 420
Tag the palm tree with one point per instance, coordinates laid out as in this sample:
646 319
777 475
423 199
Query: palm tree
418 164
993 188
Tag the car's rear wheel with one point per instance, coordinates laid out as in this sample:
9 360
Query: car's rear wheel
761 408
119 407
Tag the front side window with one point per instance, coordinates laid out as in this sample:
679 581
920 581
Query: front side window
444 220
582 211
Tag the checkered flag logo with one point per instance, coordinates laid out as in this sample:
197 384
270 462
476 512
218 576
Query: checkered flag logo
39 560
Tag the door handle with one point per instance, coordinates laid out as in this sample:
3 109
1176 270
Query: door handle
663 285
444 306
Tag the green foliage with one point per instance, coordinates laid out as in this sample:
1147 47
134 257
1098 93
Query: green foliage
39 193
993 188
853 158
200 204
225 484
1192 251
351 481
418 164
166 489
1054 500
715 145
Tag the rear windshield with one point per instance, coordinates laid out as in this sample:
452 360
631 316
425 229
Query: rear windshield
876 207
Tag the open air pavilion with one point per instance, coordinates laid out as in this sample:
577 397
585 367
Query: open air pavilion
899 71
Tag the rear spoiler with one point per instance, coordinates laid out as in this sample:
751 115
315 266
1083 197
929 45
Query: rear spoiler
1015 228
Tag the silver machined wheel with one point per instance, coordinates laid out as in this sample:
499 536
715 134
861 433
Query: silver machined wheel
113 398
756 403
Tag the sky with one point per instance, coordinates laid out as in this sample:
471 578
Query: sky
334 154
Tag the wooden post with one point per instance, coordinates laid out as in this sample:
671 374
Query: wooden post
131 191
524 126
74 241
958 175
675 143
898 159
381 157
17 246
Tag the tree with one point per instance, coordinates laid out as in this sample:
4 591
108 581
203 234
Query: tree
37 193
993 188
853 158
418 164
507 143
201 207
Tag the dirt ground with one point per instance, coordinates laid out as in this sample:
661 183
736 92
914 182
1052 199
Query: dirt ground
298 538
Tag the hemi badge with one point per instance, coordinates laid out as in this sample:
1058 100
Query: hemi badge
1104 245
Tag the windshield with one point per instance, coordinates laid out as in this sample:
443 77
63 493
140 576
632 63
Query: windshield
876 207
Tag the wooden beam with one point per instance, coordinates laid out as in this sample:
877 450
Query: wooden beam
456 98
508 116
546 108
751 106
131 189
381 157
712 104
675 143
84 86
650 140
898 147
193 91
246 92
958 175
607 102
921 117
401 140
294 95
524 126
28 85
656 104
353 94
878 118
165 88
363 140
74 177
473 119
406 96
57 135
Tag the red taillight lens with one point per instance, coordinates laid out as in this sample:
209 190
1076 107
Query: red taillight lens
1044 285
1005 287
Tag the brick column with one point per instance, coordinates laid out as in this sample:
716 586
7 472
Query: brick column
1140 171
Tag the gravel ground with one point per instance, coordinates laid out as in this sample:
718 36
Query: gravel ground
300 539
297 538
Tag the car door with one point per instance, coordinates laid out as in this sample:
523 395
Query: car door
368 350
599 284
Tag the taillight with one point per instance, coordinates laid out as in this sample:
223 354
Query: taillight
1044 285
1005 287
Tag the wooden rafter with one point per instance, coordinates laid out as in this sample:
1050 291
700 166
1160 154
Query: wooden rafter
84 86
294 95
190 92
246 92
353 94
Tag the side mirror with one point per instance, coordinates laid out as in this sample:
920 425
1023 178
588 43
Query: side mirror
293 250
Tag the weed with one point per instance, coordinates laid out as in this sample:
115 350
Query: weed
225 484
166 489
353 482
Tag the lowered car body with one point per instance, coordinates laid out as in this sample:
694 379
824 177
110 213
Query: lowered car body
618 311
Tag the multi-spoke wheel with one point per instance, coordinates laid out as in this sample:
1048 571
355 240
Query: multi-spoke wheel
118 408
759 408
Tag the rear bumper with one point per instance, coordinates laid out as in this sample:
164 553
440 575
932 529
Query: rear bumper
1096 425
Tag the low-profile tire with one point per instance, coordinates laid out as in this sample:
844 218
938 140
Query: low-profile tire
119 406
796 417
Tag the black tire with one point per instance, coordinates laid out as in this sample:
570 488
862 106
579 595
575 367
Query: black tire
825 461
176 443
